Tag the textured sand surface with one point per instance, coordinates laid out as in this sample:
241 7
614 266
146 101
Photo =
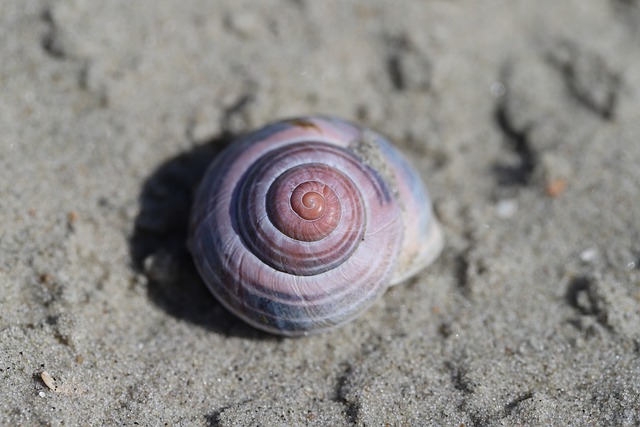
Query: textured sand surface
522 116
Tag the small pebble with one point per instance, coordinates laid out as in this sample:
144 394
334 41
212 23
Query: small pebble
589 255
556 187
506 208
48 380
497 89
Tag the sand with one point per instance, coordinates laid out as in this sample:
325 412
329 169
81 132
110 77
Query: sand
523 117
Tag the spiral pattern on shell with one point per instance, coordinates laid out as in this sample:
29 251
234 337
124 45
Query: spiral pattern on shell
302 224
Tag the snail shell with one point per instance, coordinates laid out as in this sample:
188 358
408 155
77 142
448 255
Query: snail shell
301 225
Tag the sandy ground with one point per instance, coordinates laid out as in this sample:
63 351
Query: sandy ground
522 116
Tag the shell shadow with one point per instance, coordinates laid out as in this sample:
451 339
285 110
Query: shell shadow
158 245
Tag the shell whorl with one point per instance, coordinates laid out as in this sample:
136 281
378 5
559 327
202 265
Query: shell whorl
273 189
295 230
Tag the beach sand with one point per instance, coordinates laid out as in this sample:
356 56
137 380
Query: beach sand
523 117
